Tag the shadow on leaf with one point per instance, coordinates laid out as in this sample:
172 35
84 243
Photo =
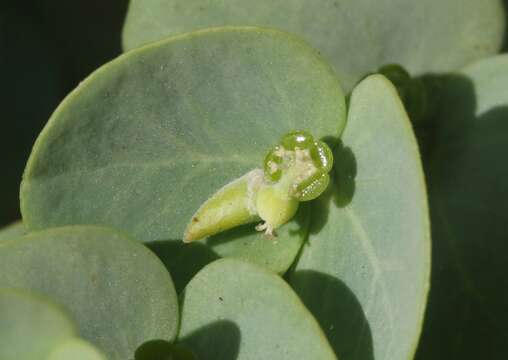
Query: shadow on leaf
217 341
466 172
233 234
341 316
342 186
163 350
345 169
182 260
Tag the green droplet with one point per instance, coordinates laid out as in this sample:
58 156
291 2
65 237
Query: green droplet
301 139
313 187
271 166
322 156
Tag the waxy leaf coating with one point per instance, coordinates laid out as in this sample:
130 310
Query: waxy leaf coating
31 325
356 36
364 272
117 291
147 138
235 310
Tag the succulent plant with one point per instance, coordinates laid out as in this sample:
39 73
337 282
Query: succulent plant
350 132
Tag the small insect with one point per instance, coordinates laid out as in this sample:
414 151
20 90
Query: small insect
294 170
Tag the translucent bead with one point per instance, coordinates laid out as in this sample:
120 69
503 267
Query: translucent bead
313 187
297 139
272 165
322 156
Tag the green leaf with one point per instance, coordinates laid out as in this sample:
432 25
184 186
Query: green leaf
13 230
356 36
30 325
236 310
76 349
146 139
467 175
117 291
364 272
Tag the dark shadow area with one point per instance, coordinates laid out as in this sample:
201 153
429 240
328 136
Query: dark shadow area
47 47
344 173
341 189
232 234
163 350
331 141
182 260
411 90
338 312
467 172
217 341
87 34
434 86
30 88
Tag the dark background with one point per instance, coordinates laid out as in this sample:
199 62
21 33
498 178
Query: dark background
46 48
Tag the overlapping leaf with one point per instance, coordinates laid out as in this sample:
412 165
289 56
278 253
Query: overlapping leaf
356 36
467 175
117 291
364 272
233 310
31 326
145 140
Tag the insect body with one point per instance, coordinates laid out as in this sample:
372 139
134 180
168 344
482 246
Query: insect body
294 170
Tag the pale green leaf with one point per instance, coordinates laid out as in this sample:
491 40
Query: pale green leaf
364 272
76 349
146 139
116 290
233 310
468 192
356 36
30 325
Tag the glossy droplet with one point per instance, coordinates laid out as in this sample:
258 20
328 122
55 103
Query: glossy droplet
294 170
313 187
322 156
301 139
272 164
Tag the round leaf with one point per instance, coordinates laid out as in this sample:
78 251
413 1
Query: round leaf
118 292
236 310
145 140
364 273
30 326
468 172
357 36
76 349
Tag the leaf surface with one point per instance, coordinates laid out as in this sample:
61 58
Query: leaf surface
467 175
236 310
356 36
364 272
146 139
30 325
118 292
76 349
